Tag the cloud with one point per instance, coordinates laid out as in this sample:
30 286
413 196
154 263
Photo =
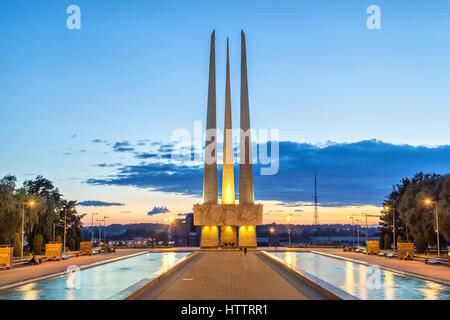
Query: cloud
96 203
157 210
359 173
122 146
98 141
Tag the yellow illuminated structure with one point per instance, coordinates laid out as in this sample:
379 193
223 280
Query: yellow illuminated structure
234 220
210 237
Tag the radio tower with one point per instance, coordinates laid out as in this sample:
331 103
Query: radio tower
316 209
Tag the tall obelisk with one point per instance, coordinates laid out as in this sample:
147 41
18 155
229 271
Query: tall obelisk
246 195
210 171
228 193
228 233
210 233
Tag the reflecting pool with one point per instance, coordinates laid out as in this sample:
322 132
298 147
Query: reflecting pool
363 281
97 283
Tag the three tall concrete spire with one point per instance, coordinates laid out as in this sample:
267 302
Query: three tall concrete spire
246 194
234 224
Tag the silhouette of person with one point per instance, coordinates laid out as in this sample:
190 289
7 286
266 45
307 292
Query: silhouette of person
245 251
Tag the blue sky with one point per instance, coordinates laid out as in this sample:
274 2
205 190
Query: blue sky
137 70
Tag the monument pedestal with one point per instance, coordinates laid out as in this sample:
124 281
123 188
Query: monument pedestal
246 217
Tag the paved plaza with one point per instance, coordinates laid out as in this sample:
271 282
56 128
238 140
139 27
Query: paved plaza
229 275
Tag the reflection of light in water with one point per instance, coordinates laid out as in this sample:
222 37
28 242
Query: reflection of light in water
349 284
389 292
362 282
29 291
168 260
430 292
291 259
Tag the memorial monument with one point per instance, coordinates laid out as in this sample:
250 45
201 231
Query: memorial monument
231 222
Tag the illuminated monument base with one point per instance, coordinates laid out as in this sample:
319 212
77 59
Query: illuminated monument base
229 217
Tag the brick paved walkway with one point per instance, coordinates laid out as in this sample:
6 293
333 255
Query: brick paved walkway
228 275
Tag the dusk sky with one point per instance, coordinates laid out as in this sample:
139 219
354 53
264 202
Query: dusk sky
93 109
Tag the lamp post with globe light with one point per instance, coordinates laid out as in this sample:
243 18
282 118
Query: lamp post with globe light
429 202
30 203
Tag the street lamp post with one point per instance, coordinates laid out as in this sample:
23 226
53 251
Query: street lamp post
367 229
170 226
272 230
99 231
393 222
289 229
357 229
92 229
30 204
353 229
104 228
429 202
65 225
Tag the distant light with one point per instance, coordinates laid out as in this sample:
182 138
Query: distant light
251 228
428 201
31 203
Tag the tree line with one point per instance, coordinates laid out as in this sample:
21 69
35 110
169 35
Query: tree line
43 222
415 220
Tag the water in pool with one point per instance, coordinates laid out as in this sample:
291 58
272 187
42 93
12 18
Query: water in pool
364 282
97 283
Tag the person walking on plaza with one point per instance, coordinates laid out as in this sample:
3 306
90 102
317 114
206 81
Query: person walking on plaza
245 251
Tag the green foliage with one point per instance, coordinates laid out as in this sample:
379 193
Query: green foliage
73 245
38 241
420 244
407 203
39 219
381 242
17 245
387 242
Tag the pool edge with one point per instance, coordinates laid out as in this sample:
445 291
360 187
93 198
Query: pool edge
144 285
404 273
61 273
327 289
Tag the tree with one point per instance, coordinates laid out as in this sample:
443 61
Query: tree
387 242
17 245
420 244
37 244
10 210
412 216
73 244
